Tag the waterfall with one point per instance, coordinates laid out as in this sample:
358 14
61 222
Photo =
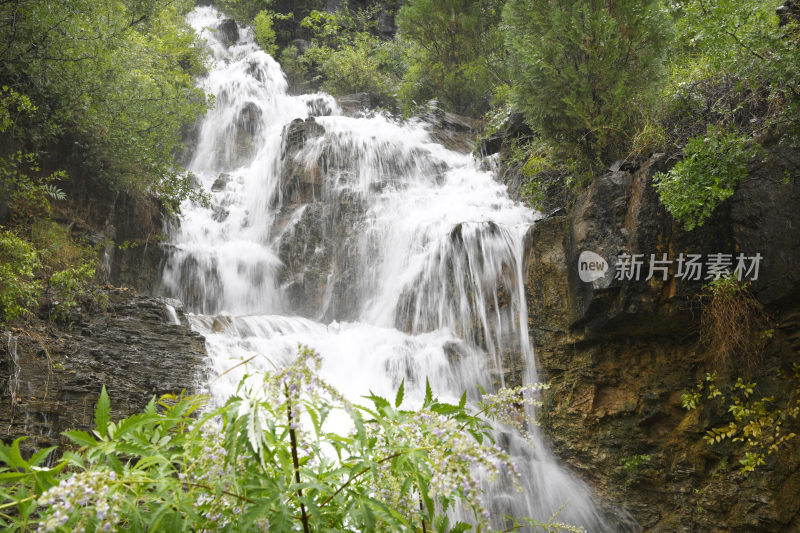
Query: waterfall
392 256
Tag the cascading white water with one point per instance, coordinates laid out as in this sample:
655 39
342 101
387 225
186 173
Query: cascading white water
392 256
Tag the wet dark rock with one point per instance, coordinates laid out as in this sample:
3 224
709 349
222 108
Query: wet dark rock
317 230
319 107
221 182
353 104
248 126
386 24
320 256
228 31
455 132
126 228
789 12
514 128
618 354
300 183
52 375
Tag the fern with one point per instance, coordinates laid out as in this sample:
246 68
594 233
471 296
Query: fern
53 192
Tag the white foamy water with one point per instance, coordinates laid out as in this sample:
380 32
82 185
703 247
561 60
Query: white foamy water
398 259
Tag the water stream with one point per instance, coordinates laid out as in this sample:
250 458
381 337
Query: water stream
392 256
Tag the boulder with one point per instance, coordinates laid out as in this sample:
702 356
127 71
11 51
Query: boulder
455 132
299 183
228 31
353 104
221 182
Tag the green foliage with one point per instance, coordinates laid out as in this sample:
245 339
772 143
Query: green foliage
584 71
758 423
531 158
742 44
28 192
20 180
111 78
12 105
633 462
49 261
19 288
266 460
70 287
455 53
364 65
264 32
68 267
345 56
244 11
55 247
708 388
713 165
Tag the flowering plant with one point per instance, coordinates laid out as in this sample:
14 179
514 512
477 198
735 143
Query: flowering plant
267 460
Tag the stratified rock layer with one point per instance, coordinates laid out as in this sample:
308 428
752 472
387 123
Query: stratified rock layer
52 375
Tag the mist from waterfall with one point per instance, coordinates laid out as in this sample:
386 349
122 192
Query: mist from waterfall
392 256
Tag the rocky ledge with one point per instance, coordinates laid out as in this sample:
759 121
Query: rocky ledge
52 374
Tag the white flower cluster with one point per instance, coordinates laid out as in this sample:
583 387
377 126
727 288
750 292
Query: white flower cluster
301 378
454 456
88 491
210 467
508 406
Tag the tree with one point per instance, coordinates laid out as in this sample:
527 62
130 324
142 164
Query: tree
582 70
113 80
456 54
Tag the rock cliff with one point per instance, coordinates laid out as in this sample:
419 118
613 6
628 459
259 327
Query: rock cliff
52 375
619 353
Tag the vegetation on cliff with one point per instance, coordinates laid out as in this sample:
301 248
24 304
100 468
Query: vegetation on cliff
596 81
104 87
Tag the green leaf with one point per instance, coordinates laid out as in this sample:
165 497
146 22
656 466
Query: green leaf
400 392
16 457
102 413
41 455
428 392
81 438
132 422
151 406
442 523
463 401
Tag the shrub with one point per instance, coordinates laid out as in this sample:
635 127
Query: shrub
583 71
19 288
56 248
455 53
761 424
743 42
263 31
356 67
71 287
266 460
713 165
733 327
